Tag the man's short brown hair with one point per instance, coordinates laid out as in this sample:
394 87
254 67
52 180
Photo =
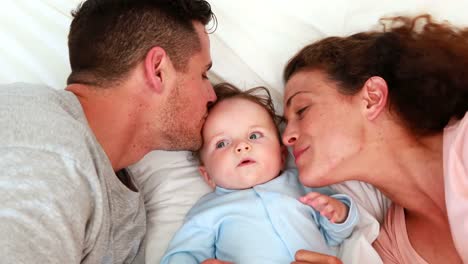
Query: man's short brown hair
109 37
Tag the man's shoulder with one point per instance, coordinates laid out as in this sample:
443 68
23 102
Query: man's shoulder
13 90
20 99
44 119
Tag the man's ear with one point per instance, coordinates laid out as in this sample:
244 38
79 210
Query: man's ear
156 63
374 94
206 177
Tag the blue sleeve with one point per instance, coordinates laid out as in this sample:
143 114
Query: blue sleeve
335 233
191 244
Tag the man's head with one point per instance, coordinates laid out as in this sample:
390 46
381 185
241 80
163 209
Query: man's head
241 147
159 51
108 38
182 114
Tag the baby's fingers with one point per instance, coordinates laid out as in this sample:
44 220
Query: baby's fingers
309 197
317 200
329 212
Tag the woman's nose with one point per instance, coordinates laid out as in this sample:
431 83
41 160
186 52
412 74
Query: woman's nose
243 146
289 136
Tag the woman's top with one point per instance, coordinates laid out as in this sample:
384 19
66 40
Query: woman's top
456 183
393 244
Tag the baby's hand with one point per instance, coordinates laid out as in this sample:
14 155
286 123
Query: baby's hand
329 207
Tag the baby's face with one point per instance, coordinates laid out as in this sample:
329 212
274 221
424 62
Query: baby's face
241 146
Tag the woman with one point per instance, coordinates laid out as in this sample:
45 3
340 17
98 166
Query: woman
389 108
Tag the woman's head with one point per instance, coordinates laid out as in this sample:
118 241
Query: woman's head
413 74
424 64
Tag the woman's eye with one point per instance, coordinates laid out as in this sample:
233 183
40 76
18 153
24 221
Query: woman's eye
300 112
221 144
255 135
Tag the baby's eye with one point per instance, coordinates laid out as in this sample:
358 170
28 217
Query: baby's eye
255 135
221 144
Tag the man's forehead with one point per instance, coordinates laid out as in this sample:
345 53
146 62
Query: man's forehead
200 62
203 56
202 35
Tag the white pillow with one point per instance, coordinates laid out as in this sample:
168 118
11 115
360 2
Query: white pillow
171 184
34 41
253 41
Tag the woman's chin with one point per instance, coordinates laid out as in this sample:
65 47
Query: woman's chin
313 179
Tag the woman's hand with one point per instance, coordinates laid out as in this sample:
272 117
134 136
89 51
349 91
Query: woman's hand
309 257
215 261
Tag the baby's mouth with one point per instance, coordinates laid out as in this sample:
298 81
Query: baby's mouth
246 162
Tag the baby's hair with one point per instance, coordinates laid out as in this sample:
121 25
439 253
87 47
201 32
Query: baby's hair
259 95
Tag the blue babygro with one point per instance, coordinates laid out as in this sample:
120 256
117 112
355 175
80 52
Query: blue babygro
263 224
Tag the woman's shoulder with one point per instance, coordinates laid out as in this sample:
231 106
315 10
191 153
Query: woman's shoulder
455 159
456 128
455 156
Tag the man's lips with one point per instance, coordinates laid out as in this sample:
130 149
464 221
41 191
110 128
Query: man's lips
245 162
298 153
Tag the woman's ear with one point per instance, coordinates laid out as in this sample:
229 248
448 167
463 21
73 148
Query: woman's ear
374 94
206 177
156 64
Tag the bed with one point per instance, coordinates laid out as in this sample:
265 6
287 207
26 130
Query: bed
251 45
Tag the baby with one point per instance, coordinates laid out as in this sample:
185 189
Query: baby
257 212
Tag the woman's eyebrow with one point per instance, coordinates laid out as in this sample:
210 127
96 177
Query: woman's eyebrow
288 102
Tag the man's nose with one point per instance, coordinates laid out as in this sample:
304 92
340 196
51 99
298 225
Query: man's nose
211 94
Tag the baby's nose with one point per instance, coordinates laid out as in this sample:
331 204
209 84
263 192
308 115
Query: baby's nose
243 147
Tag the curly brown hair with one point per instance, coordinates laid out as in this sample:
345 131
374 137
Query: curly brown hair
259 95
424 63
109 37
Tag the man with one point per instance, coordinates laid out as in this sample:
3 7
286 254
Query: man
138 84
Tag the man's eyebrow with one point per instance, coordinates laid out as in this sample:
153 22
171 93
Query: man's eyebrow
209 65
288 102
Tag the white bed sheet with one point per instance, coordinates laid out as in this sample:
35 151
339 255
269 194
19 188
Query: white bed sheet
250 47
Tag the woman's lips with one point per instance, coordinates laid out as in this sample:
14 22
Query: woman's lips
298 153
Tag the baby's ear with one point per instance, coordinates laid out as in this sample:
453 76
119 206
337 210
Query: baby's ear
206 177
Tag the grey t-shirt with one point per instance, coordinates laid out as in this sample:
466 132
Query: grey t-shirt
60 200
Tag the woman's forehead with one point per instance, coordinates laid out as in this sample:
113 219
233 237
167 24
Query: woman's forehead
303 82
